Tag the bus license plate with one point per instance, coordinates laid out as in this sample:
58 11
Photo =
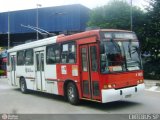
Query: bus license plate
128 96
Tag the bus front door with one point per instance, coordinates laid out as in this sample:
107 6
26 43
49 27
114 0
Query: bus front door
89 71
13 69
40 78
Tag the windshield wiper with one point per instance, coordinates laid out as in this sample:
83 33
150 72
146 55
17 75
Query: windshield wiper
129 48
116 45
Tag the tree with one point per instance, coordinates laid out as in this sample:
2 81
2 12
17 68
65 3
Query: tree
153 29
116 15
112 15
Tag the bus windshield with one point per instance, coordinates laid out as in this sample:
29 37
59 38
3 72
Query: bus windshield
120 55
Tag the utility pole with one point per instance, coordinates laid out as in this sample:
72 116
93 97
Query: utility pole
8 29
131 16
37 19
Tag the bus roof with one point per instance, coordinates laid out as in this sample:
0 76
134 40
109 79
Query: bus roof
61 38
87 34
33 44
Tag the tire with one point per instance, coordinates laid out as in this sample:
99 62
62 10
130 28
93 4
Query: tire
23 86
72 94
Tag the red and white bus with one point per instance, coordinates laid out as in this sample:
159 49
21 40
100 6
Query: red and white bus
98 65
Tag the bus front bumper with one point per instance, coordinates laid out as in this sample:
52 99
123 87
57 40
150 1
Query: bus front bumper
109 95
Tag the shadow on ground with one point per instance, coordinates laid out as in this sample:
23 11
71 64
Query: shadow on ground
118 105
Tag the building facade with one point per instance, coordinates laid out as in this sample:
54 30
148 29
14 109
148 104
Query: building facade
61 19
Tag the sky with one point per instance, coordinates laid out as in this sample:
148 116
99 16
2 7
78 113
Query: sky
13 5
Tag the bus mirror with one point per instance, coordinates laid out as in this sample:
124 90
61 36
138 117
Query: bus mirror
102 49
103 57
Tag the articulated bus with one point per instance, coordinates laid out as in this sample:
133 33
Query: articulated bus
98 65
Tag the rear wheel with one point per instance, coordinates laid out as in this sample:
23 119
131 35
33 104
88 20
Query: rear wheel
23 86
72 94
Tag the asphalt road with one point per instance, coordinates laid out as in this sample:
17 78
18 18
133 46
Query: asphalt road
12 101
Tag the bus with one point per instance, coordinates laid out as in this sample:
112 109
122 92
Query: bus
3 66
101 65
3 63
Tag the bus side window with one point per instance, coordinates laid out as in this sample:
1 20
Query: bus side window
68 53
71 53
29 57
20 58
53 54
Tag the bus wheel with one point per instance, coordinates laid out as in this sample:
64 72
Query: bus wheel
72 94
23 86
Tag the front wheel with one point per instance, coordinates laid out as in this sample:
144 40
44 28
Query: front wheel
72 94
23 86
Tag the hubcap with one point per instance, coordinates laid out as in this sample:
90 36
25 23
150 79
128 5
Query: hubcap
70 93
22 86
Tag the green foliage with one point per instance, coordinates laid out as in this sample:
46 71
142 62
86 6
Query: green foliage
152 70
153 29
1 72
115 15
152 40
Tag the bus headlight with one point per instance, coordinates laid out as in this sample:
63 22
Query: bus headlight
140 81
109 86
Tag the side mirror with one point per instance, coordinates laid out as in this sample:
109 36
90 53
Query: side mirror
103 57
102 49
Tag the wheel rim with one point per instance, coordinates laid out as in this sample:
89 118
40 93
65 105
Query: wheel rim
71 93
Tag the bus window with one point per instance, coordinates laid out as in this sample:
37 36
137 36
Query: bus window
37 61
29 57
42 61
93 53
20 58
53 54
68 53
84 59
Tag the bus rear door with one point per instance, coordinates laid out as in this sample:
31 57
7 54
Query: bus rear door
13 69
40 78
